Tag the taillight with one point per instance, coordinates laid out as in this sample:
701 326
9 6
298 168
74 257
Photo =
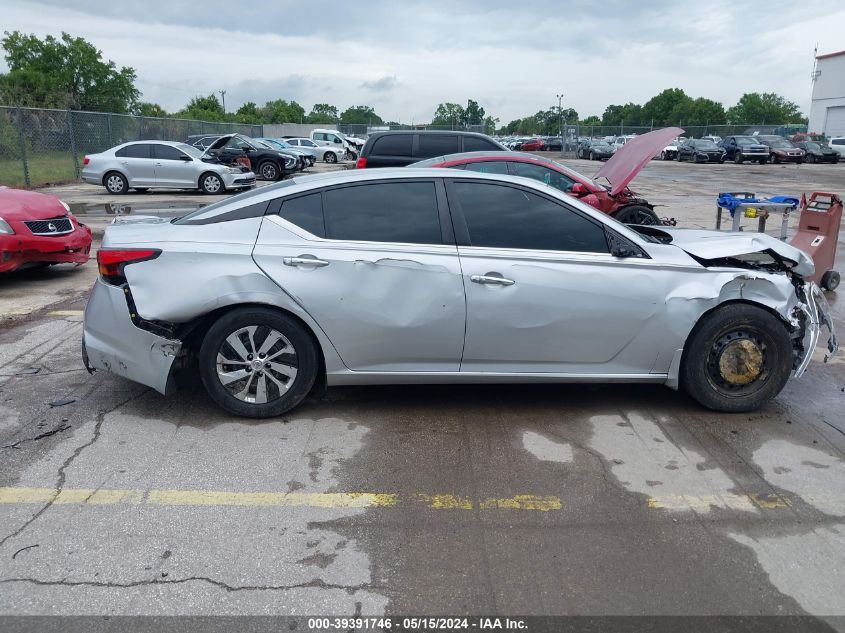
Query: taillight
86 160
111 261
361 163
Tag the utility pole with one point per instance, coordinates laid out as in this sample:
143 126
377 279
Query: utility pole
560 117
223 96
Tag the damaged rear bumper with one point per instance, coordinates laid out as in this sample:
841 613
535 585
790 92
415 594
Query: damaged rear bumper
818 316
112 342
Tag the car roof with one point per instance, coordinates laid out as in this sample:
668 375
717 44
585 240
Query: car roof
456 132
171 143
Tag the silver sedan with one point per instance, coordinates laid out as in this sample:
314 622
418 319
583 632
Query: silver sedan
145 165
424 275
327 153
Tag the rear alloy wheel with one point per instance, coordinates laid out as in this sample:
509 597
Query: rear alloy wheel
637 214
211 184
268 170
116 183
330 157
257 362
738 358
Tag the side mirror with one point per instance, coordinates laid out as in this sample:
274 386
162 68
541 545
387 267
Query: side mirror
579 189
186 158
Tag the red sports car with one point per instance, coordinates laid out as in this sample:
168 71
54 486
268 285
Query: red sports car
615 198
37 229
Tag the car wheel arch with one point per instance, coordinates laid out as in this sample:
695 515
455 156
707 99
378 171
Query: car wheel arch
193 333
119 173
700 320
210 172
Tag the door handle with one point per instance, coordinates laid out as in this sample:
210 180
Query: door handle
492 279
304 260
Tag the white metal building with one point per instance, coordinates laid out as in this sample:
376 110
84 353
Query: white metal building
827 111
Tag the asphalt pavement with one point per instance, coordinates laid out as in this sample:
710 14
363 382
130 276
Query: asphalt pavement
540 499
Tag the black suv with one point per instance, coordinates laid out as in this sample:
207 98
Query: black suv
399 148
267 163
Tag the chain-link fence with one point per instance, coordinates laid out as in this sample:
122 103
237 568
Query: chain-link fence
40 147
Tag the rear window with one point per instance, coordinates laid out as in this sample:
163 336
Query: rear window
437 145
139 150
393 145
478 144
383 212
838 141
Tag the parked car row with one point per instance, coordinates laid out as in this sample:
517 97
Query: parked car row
760 148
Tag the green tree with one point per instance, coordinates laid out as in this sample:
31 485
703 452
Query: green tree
145 108
361 115
490 124
706 112
473 113
451 114
628 114
204 109
666 108
765 108
248 113
68 72
323 113
281 111
592 120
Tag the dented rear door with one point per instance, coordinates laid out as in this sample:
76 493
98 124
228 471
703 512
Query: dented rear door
376 268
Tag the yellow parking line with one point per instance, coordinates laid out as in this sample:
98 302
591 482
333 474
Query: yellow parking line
91 496
65 313
730 501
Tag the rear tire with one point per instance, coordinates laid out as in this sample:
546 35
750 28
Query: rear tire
116 183
738 158
737 358
282 377
330 157
637 214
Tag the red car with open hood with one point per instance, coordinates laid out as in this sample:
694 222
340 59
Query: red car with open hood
37 229
613 198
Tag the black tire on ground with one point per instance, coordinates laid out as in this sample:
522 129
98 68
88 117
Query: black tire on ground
721 160
637 214
592 156
762 161
811 158
830 280
211 184
268 170
304 361
737 358
116 183
836 160
330 157
738 158
141 189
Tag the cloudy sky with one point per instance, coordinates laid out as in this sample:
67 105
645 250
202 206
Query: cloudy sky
404 58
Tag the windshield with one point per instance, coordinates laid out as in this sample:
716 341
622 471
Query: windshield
274 143
600 145
813 146
190 150
747 140
705 144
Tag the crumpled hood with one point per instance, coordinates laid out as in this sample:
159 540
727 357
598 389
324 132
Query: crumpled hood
633 156
716 244
17 204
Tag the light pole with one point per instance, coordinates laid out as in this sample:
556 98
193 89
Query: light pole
223 96
560 121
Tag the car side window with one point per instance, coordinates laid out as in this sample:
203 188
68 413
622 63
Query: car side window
306 212
500 216
293 141
308 143
166 152
476 144
393 145
383 212
489 167
319 136
138 150
431 145
543 174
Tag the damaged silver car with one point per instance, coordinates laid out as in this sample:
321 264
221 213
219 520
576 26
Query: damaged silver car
424 275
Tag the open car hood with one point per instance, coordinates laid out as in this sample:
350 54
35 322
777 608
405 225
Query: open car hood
633 156
716 245
218 144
